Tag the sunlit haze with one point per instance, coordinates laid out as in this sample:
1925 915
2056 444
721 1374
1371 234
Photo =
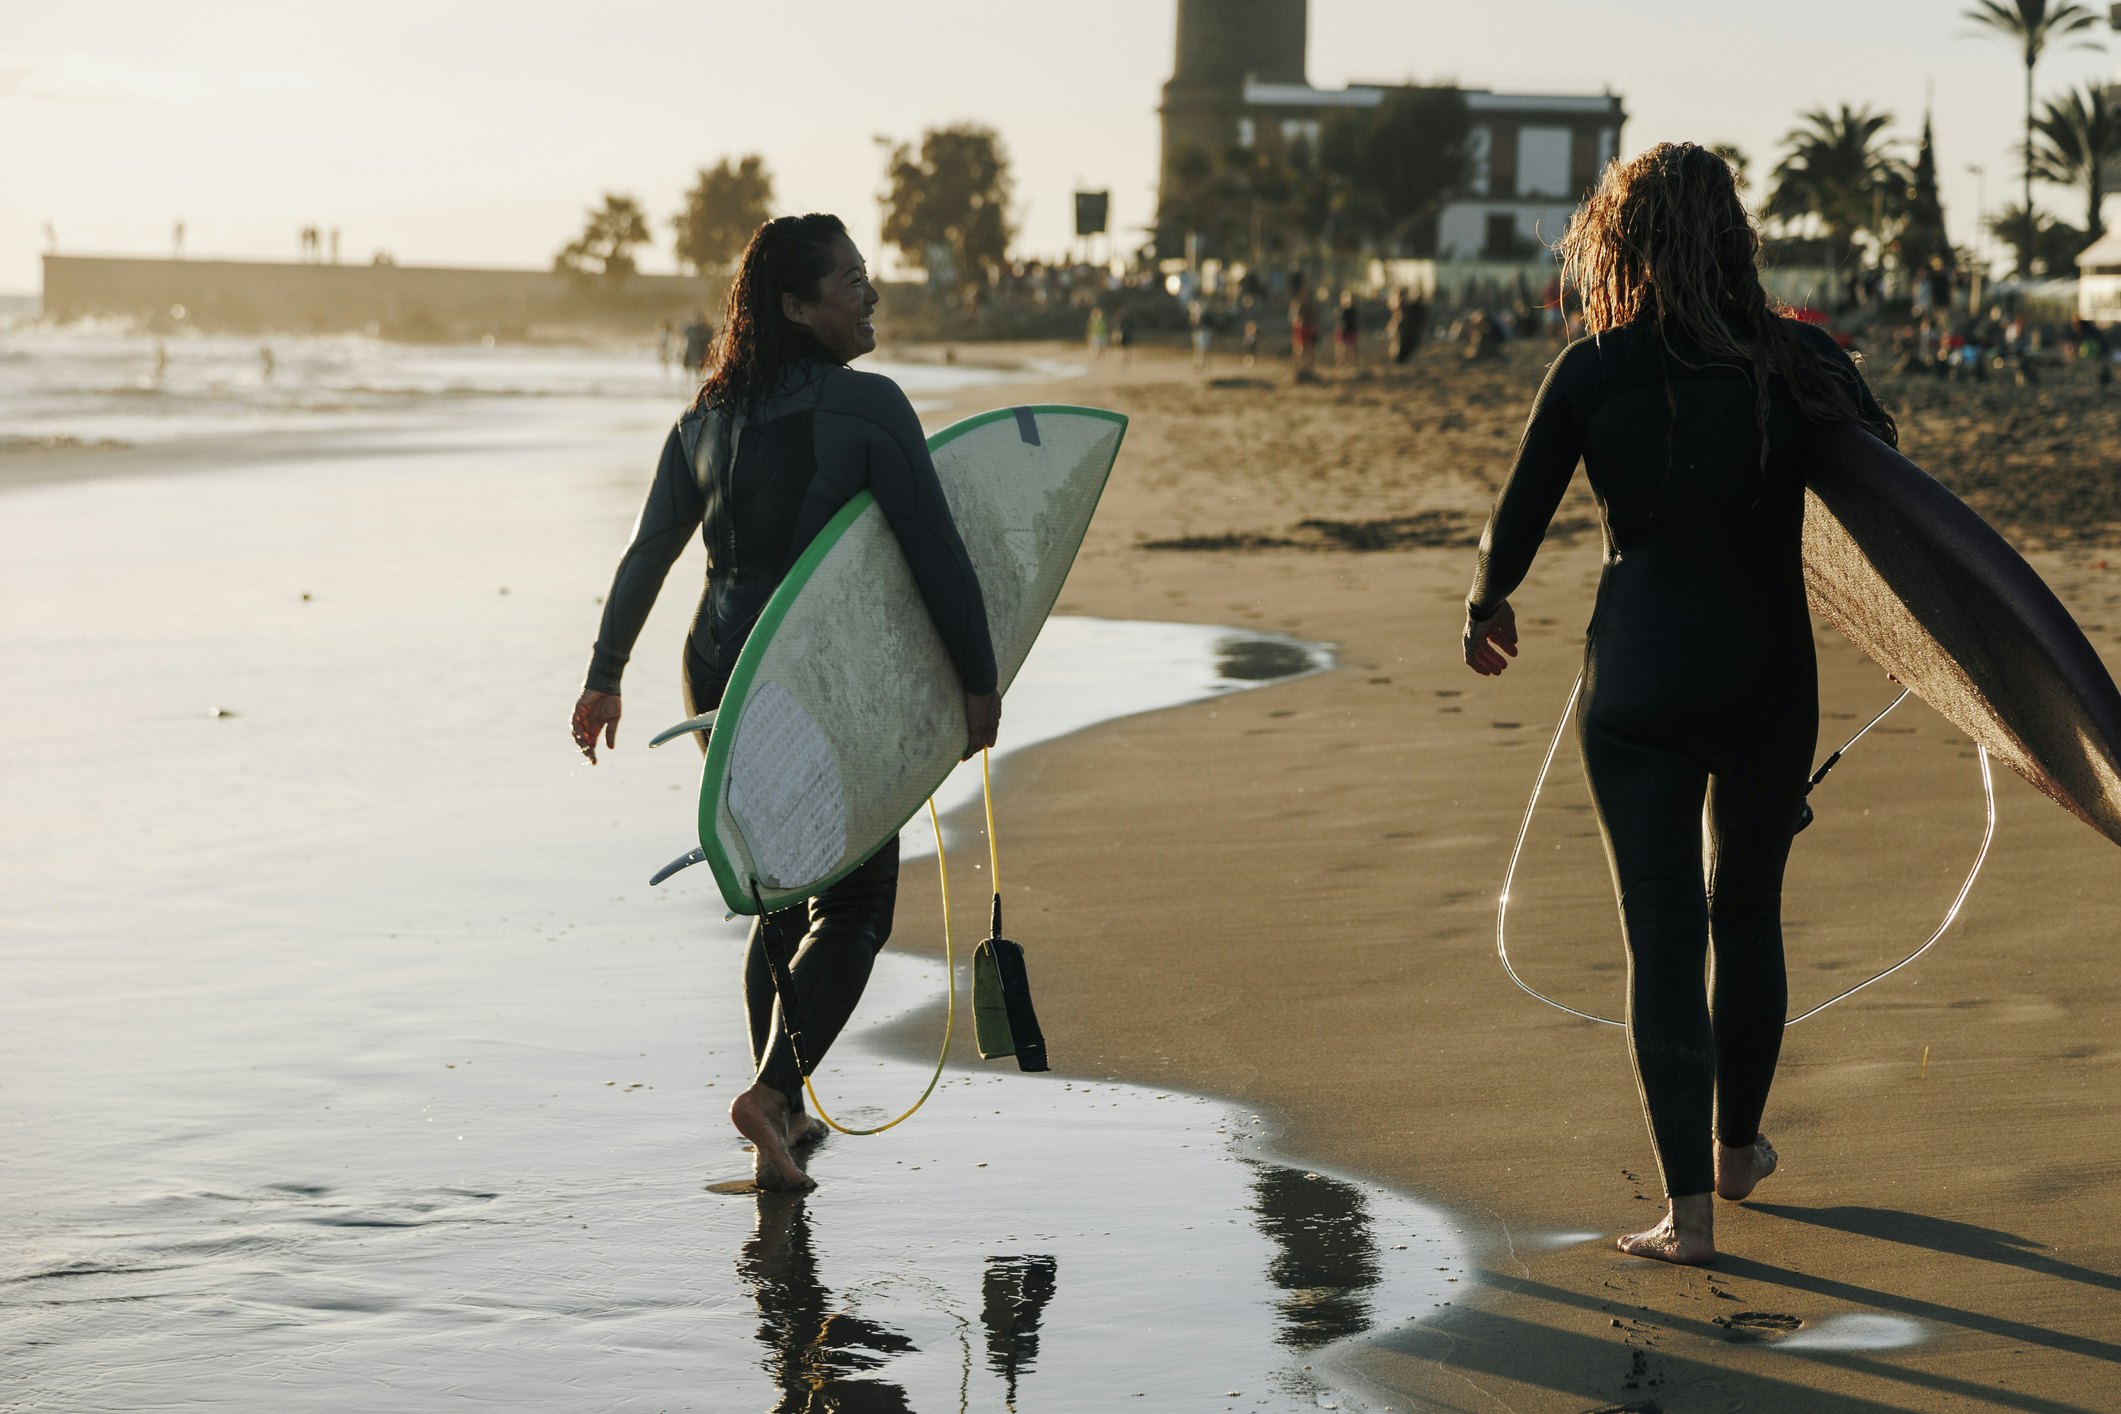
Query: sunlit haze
477 133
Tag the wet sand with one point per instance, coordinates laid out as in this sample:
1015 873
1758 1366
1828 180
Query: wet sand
348 1061
1288 898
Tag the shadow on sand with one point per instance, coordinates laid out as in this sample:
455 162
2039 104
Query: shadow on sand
1612 1376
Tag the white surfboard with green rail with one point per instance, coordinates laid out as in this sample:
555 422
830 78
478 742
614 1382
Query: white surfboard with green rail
844 712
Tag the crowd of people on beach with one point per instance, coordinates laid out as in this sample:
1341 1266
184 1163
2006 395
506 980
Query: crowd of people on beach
1977 345
1349 329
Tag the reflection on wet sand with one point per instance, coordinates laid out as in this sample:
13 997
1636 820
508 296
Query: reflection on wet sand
1259 658
1325 1257
1016 1291
818 1345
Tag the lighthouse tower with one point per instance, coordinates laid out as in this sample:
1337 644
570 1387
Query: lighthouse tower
1221 43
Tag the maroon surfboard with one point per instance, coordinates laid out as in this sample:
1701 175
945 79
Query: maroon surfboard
1942 602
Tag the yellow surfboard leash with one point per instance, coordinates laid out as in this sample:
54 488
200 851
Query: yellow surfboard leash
942 870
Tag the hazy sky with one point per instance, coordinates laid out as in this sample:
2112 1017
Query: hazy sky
469 132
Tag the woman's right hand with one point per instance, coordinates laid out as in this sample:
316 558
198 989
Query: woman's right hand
1488 639
983 719
595 712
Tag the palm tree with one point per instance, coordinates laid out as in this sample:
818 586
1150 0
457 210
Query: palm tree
607 240
2031 25
1837 170
2079 133
2041 240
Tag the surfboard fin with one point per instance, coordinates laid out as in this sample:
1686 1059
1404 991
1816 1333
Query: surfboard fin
703 722
682 862
1003 1021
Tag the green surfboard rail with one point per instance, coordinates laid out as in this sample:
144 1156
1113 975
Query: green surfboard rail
735 887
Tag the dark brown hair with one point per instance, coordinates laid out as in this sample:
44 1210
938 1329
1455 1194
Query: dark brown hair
787 255
1665 237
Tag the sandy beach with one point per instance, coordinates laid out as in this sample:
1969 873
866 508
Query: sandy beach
1289 899
1284 898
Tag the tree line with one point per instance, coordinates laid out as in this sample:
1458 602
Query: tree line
1372 179
946 206
1842 182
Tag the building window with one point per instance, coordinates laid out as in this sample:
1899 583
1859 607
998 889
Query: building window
1583 160
1303 130
1502 163
1478 142
1247 133
1502 241
1543 162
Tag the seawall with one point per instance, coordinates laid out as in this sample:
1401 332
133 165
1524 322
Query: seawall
396 301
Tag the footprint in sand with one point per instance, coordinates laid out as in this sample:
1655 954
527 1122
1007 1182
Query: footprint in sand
734 1187
1756 1325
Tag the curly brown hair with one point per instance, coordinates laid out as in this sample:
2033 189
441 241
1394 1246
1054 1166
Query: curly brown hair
1665 237
787 255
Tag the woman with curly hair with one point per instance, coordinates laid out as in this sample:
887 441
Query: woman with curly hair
782 435
1692 404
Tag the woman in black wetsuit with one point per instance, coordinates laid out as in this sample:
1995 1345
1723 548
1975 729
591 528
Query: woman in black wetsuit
1691 405
781 436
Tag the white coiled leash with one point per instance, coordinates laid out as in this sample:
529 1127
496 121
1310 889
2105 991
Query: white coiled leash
1502 905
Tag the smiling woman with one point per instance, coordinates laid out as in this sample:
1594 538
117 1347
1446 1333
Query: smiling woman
840 316
782 435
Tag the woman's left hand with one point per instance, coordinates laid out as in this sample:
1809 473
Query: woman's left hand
595 712
983 720
1488 640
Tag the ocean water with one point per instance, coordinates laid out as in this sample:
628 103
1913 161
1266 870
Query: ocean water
348 1062
94 385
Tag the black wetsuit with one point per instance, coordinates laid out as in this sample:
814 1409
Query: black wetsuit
758 489
1699 681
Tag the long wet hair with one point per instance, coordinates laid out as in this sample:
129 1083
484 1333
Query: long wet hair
787 255
1665 238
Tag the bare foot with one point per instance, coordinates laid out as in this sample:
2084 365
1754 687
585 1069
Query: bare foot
758 1115
804 1129
1739 1171
1686 1236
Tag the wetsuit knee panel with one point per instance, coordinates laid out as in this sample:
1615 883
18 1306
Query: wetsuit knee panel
1664 917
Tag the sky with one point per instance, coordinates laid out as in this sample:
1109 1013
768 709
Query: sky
466 132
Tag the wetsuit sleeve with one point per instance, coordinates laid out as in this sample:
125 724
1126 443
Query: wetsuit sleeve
668 519
902 476
1546 461
1842 369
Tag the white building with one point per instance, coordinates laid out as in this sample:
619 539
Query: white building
2099 275
1535 156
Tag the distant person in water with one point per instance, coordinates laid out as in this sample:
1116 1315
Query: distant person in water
782 435
1692 405
699 345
